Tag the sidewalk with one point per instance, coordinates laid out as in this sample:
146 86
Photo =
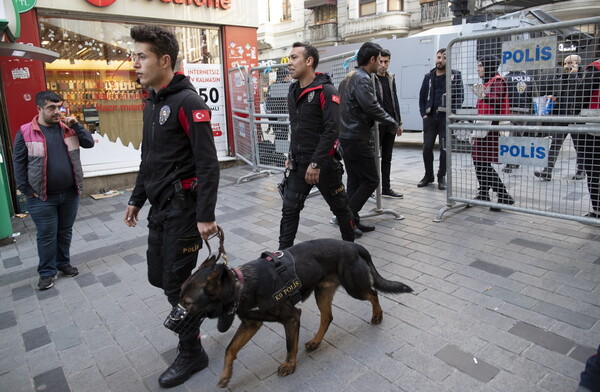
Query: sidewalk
503 301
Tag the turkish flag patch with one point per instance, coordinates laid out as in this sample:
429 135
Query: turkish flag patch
201 115
335 99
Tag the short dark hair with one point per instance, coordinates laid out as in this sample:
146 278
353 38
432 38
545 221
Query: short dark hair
161 40
441 51
366 51
310 51
46 96
386 53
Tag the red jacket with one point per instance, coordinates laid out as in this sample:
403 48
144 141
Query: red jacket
495 102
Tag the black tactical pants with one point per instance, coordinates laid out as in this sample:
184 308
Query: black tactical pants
173 244
331 187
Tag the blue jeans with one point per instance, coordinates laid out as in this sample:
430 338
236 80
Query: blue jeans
54 220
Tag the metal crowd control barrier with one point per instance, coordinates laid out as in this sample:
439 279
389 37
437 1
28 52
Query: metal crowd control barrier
513 160
338 67
260 117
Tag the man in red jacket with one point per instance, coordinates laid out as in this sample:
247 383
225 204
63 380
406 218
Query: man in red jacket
48 171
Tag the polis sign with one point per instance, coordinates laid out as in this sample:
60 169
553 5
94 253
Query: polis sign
222 4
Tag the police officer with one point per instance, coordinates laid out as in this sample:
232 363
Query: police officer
313 104
179 175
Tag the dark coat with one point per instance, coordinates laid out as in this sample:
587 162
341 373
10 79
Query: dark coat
178 144
426 92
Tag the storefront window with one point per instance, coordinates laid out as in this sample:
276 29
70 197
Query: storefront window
95 77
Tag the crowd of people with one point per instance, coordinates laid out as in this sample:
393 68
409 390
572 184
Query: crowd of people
179 170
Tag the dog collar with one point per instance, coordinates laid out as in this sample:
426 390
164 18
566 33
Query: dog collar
239 275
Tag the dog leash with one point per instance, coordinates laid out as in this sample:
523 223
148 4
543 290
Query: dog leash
222 253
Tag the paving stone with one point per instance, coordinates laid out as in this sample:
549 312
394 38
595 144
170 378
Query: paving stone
546 339
512 297
467 363
582 353
109 279
88 380
509 382
17 380
76 359
536 245
53 380
134 259
110 359
66 337
11 262
90 237
566 315
86 279
22 292
554 382
36 337
125 380
7 320
492 268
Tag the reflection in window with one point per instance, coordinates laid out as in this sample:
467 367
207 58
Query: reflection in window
94 73
394 5
326 14
286 9
367 7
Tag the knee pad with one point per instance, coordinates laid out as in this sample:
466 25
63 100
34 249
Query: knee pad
293 201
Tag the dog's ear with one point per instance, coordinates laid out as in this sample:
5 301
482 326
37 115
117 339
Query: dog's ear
214 280
210 261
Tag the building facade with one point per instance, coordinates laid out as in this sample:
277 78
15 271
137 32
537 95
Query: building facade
327 23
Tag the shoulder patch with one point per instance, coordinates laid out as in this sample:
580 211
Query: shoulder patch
201 115
336 99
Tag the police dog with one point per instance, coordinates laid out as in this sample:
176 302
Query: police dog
321 266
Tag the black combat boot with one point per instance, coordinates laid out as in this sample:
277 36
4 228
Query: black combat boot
191 359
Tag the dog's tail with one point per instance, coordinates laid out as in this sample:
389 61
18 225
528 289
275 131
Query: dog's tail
379 282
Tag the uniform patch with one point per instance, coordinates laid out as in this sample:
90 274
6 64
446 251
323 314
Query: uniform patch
335 99
311 95
521 87
164 114
201 115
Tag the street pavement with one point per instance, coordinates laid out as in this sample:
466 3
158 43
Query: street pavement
503 301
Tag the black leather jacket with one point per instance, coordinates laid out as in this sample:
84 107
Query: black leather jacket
360 108
426 93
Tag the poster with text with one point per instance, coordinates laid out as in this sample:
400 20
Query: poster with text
209 82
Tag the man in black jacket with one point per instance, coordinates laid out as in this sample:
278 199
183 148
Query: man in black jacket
433 112
387 96
179 176
313 104
360 110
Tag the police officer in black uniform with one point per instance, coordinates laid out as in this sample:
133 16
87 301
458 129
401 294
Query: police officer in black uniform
179 176
313 104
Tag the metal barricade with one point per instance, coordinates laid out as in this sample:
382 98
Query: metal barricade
526 155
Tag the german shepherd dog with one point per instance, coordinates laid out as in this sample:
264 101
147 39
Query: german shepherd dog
321 266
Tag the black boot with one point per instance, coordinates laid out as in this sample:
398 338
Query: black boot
505 198
442 183
483 195
426 180
191 359
544 175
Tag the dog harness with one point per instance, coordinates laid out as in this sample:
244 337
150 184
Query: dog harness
284 283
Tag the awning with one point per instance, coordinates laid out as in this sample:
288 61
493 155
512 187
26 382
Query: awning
27 52
318 3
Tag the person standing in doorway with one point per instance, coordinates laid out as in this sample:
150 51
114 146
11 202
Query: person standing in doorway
313 104
48 172
433 111
387 96
360 110
179 176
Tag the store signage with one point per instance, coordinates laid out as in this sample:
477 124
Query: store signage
10 20
210 84
25 5
20 73
223 4
531 54
101 3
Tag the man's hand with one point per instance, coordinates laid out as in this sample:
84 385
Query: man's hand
424 117
131 215
312 176
69 120
206 229
399 130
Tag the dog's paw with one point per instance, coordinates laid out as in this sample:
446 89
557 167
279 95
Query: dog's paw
311 345
285 369
377 318
223 382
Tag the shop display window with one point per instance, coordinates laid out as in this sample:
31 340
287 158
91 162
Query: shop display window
95 76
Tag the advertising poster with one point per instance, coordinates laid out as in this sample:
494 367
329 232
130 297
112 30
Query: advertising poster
209 82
